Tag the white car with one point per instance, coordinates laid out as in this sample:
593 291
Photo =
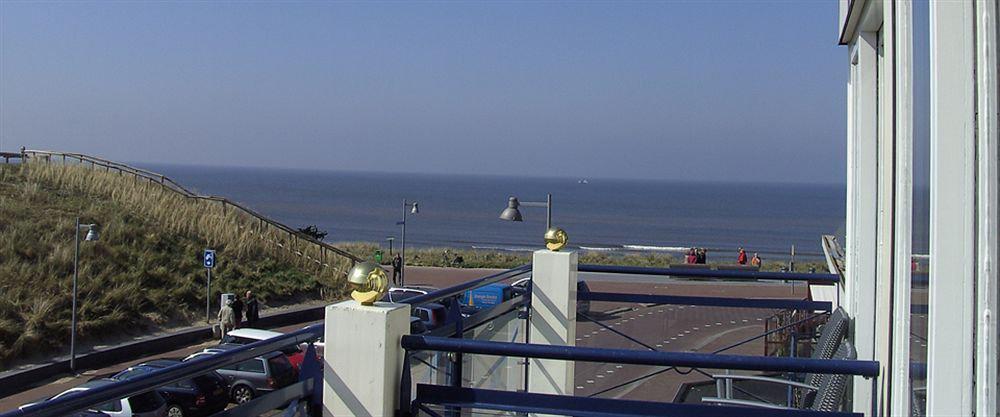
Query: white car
149 404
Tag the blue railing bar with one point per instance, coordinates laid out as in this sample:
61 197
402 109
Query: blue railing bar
720 350
638 357
143 383
778 303
481 317
272 400
465 286
817 278
523 402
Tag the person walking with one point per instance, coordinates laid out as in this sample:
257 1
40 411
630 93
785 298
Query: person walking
237 312
742 257
252 309
397 269
227 320
756 261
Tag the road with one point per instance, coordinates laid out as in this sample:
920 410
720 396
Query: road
667 328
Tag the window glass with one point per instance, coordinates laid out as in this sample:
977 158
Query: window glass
920 244
112 406
252 365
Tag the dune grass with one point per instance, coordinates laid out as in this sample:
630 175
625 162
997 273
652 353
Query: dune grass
475 258
143 273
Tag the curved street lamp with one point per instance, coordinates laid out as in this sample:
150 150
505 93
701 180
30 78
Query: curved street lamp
512 213
92 235
413 209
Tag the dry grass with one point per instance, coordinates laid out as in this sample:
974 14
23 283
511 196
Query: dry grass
144 271
473 258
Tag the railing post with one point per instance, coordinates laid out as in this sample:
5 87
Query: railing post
553 319
363 358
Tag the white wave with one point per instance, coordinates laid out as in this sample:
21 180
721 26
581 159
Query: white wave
506 248
656 248
600 248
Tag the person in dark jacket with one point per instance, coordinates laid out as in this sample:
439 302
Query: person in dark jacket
397 269
237 312
252 309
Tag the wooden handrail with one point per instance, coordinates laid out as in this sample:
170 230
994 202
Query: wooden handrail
169 184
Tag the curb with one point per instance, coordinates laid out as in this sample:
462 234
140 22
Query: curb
19 381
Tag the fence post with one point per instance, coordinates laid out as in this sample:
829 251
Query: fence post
363 358
553 319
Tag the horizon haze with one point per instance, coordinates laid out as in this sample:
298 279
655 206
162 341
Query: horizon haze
717 92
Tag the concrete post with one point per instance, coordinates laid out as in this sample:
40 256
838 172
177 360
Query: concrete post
553 319
362 358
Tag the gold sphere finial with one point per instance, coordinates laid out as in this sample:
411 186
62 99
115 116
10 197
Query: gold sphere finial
555 239
369 282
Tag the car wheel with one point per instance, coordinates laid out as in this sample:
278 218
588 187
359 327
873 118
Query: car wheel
242 394
175 410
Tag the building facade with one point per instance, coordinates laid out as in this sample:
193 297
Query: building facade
927 315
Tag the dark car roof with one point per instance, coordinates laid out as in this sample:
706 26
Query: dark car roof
162 363
96 383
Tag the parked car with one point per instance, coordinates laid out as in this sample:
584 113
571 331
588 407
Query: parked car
246 336
199 396
520 287
149 404
253 377
429 316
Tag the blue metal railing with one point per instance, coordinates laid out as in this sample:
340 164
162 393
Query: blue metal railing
456 290
680 272
777 303
638 357
523 402
147 382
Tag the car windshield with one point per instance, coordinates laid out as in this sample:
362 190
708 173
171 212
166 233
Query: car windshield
131 373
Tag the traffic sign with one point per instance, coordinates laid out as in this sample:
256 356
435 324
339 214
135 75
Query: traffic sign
209 259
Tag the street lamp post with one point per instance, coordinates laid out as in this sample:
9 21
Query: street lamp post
512 213
92 235
402 245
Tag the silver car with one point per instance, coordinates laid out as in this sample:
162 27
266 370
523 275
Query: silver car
149 404
253 377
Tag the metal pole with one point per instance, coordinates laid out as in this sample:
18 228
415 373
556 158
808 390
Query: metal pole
548 212
208 295
402 250
72 333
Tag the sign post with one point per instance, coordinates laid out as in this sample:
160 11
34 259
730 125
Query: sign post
208 260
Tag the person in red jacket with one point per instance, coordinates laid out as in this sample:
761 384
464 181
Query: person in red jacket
742 258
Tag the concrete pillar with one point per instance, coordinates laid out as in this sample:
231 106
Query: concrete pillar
553 319
362 358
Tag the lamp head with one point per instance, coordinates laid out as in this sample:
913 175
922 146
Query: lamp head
414 210
369 281
92 233
511 213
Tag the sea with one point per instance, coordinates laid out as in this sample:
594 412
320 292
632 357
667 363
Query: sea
462 211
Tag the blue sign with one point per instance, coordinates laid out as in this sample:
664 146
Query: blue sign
486 296
209 259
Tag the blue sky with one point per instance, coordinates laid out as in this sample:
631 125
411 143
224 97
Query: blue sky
717 91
